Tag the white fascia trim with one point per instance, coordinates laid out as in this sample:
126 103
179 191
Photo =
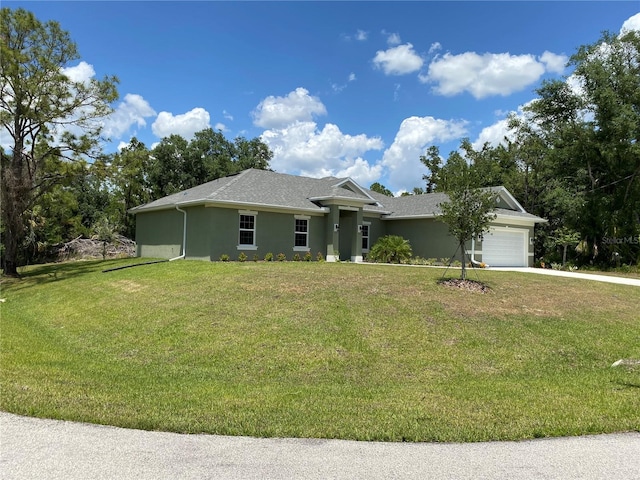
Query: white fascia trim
265 207
514 220
510 199
136 210
354 184
410 217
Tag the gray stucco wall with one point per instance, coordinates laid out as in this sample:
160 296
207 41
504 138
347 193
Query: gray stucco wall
212 232
429 238
159 234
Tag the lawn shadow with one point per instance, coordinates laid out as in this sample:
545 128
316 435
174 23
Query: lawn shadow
54 272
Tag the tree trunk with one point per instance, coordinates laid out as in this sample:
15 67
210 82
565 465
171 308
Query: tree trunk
463 273
14 197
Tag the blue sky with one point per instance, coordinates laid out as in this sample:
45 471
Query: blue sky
356 89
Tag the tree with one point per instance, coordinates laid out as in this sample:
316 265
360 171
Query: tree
104 231
50 118
130 185
379 188
168 170
565 238
251 154
433 162
592 139
469 209
176 164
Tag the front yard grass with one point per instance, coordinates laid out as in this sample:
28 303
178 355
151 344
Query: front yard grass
298 349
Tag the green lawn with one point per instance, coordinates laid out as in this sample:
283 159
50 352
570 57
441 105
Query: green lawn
325 350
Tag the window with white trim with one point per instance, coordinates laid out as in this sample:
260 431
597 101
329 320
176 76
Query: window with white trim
247 230
365 237
301 233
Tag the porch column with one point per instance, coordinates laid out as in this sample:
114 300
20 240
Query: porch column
333 234
356 243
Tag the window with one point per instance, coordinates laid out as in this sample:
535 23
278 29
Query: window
247 236
301 233
365 237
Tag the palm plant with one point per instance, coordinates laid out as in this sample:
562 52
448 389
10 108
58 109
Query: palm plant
391 249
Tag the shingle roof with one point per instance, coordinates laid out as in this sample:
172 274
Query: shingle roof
263 188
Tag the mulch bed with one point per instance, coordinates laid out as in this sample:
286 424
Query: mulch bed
470 285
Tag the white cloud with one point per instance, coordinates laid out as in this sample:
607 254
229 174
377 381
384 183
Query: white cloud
394 39
488 74
301 148
554 63
402 158
227 115
436 46
496 133
185 125
631 23
398 60
131 111
361 35
220 126
352 77
493 135
81 73
278 112
362 172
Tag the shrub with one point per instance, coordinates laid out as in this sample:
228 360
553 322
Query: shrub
307 256
296 257
391 249
224 257
320 257
281 257
255 257
268 257
242 257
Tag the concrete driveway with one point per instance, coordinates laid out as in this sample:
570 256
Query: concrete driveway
49 449
582 276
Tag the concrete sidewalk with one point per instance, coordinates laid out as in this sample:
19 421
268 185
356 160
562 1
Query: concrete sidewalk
48 449
559 273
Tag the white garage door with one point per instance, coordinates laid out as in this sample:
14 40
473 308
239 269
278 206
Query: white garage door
505 248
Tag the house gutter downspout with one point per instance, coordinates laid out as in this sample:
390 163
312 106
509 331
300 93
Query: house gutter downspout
184 236
474 262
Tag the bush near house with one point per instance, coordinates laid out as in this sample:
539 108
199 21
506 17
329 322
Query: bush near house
390 249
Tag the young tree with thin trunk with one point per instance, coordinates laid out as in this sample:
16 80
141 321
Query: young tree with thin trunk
469 210
51 119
